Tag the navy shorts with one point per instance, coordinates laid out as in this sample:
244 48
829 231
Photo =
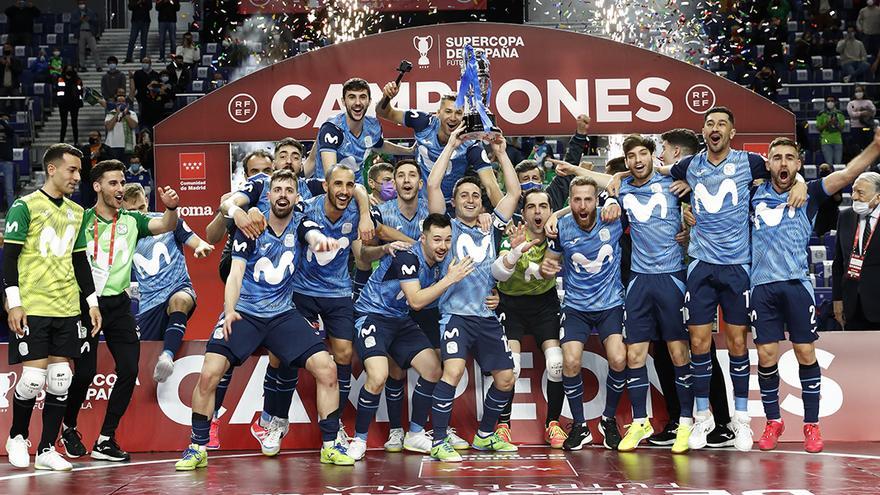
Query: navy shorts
337 313
154 321
655 308
428 320
484 336
709 286
288 336
535 315
780 306
401 339
576 326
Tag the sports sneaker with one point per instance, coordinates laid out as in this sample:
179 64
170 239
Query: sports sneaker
772 431
682 435
742 431
503 431
193 458
636 432
720 437
50 460
336 455
555 435
665 437
610 432
109 450
813 438
703 424
342 437
578 437
214 435
17 449
164 368
258 431
456 441
417 442
395 440
444 452
271 443
493 442
71 440
357 448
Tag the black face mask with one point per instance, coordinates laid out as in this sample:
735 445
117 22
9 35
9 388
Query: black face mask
93 140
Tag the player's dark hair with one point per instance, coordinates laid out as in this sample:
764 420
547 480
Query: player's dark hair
784 141
530 192
355 84
635 140
467 179
57 152
583 181
615 165
283 174
435 220
527 166
289 141
377 168
685 139
103 167
256 153
723 110
407 161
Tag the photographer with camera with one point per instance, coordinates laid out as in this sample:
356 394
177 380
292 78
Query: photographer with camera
121 124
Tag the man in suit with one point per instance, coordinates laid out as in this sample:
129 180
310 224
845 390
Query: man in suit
856 269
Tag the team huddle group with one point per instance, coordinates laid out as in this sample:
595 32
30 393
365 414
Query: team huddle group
446 264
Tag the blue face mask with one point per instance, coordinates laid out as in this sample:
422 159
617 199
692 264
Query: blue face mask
387 191
530 185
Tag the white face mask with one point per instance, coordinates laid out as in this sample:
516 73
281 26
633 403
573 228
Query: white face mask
859 95
861 208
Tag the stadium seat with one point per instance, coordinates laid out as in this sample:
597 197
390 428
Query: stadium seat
211 48
810 171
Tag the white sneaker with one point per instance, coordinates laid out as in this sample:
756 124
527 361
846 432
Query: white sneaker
17 449
456 441
704 423
741 427
50 460
418 442
342 437
357 448
395 440
164 368
270 445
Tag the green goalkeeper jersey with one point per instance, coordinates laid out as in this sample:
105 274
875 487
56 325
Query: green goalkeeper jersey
112 271
526 279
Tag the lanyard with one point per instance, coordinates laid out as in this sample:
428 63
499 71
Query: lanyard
859 235
112 239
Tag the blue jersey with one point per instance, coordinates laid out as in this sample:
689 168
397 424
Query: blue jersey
591 262
389 215
428 148
382 295
160 266
326 274
468 297
720 204
267 286
256 190
351 151
780 233
654 220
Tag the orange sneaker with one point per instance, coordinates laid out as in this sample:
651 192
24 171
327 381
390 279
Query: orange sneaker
813 438
503 431
772 431
214 438
555 435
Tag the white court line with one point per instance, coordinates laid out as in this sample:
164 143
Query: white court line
295 452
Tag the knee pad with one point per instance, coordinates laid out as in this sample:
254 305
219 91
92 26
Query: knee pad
31 382
58 379
553 360
517 365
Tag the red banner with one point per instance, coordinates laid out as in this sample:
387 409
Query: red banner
158 419
303 6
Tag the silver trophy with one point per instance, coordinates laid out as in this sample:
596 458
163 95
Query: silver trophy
474 93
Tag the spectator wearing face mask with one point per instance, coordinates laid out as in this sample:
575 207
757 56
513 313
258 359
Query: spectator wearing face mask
861 113
766 83
868 24
69 94
853 57
40 67
179 74
830 123
20 19
93 152
189 50
142 79
86 23
217 82
7 166
56 65
10 72
144 149
113 79
136 173
121 124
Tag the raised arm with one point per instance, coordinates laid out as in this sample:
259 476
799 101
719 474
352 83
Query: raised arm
836 181
216 229
507 205
389 112
436 200
168 221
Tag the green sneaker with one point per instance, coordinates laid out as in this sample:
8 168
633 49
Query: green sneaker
493 442
336 455
444 452
193 457
682 435
635 434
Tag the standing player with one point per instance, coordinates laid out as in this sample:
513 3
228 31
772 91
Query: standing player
258 312
404 280
167 297
112 234
45 269
467 324
530 303
782 295
590 248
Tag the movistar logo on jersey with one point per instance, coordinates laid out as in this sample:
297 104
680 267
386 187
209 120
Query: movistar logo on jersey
120 252
11 227
713 202
581 262
239 247
330 139
642 212
151 266
771 216
325 257
408 269
58 246
532 272
465 246
272 274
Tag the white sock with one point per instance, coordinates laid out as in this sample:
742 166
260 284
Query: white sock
742 416
102 439
639 420
328 444
686 421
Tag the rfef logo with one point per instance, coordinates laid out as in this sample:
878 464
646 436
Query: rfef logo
700 98
192 166
242 108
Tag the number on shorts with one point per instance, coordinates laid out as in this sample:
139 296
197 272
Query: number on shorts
746 294
685 314
813 315
506 343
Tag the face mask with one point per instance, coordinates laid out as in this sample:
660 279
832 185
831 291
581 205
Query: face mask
56 54
870 3
70 73
861 208
830 105
145 67
134 167
859 95
387 191
93 140
164 78
530 185
82 7
111 67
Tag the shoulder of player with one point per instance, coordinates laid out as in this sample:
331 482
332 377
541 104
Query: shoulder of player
77 209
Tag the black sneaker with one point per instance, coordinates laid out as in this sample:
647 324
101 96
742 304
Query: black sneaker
578 437
71 440
109 450
666 437
721 436
609 430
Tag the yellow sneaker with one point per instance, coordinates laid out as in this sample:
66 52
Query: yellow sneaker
635 434
682 435
194 457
